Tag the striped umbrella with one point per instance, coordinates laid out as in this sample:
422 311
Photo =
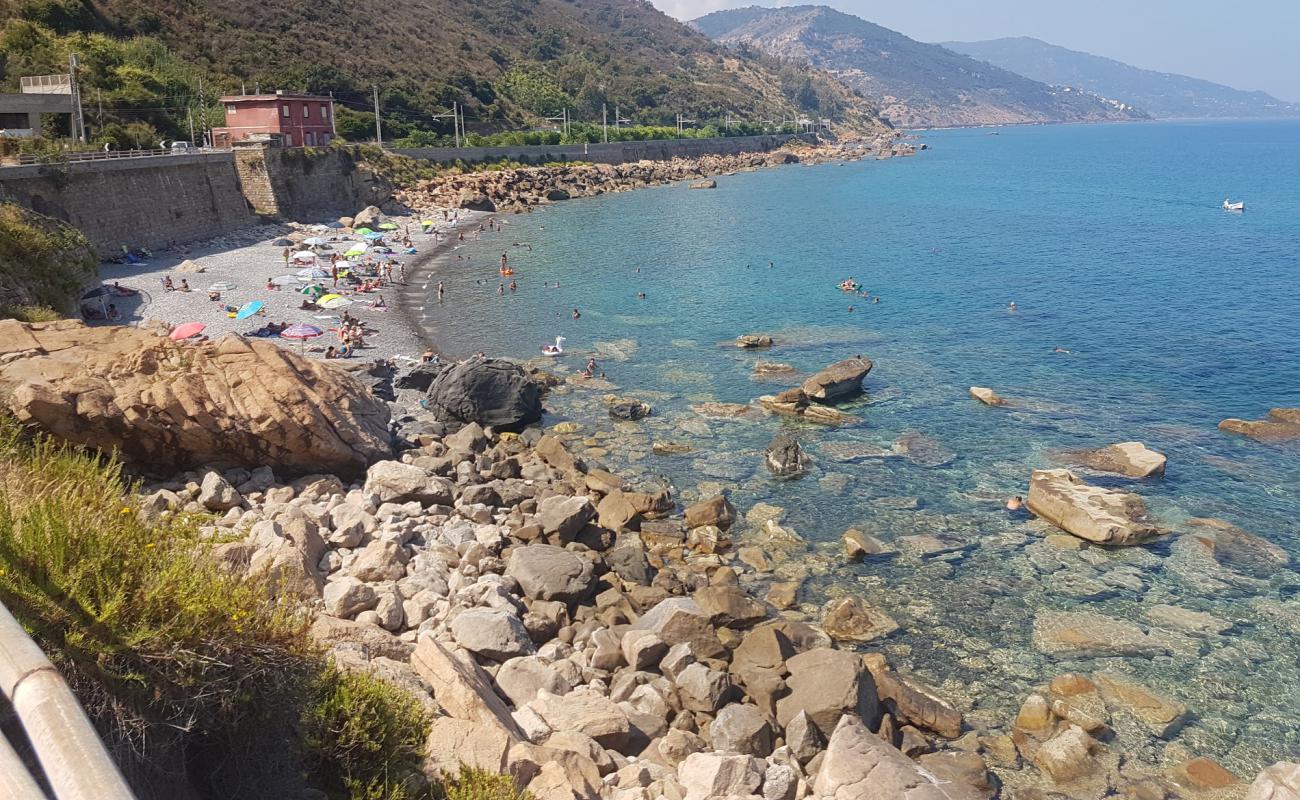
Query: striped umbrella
302 332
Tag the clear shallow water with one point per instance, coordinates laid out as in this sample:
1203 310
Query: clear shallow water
1110 240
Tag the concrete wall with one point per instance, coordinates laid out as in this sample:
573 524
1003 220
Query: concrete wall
307 184
144 202
612 153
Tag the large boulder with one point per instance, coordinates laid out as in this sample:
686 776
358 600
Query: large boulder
859 765
492 633
547 572
167 407
1099 515
706 776
368 217
784 456
826 684
1131 459
489 391
838 381
851 619
461 687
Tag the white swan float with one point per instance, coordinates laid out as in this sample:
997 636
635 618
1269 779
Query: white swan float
556 349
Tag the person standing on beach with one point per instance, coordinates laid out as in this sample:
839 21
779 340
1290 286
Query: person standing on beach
286 258
503 260
334 274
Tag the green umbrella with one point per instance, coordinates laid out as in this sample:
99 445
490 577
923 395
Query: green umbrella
388 226
363 231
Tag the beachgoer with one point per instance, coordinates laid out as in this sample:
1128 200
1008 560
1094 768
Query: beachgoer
1011 306
270 285
576 314
184 287
214 297
514 286
503 260
331 353
850 309
428 357
440 291
379 303
875 300
167 284
640 295
113 313
287 253
591 366
1015 503
1059 349
501 288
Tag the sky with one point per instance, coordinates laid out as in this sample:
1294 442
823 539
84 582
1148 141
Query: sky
1249 45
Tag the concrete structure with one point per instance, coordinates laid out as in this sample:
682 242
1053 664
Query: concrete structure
304 120
20 114
611 153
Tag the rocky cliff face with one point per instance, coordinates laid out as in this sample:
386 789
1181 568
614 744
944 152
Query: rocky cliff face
43 262
915 85
166 406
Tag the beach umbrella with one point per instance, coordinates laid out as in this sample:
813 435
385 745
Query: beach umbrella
304 255
282 242
319 227
363 231
249 309
388 226
287 280
222 286
315 290
313 273
333 225
186 330
314 241
357 250
302 332
333 301
427 223
98 291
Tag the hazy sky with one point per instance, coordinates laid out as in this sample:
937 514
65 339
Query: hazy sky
1253 45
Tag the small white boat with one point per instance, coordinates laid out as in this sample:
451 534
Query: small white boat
556 349
1240 205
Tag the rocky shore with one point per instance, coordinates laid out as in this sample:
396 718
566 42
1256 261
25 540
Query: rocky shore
583 633
520 190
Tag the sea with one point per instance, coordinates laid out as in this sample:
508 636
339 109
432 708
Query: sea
1143 312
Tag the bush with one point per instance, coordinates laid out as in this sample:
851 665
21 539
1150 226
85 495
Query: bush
473 784
366 736
43 262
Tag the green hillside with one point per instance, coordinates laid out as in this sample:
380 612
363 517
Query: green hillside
509 63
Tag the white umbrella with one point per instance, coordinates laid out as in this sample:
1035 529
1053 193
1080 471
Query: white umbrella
320 228
335 302
304 255
314 241
288 280
312 272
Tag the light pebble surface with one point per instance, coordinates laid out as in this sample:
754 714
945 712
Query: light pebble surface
247 259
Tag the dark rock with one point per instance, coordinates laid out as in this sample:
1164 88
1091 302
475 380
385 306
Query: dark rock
491 392
840 380
785 457
630 410
420 377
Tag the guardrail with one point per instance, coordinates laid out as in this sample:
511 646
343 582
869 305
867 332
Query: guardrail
102 155
73 759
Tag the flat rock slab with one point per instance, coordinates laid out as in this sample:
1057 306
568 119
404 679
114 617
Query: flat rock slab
1084 634
1282 424
1131 459
1099 515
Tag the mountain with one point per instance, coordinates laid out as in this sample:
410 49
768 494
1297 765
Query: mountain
509 62
1161 94
915 84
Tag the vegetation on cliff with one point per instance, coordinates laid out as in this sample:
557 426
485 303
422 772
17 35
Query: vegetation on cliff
44 264
186 669
146 68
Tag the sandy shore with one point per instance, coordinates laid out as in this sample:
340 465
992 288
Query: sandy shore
247 259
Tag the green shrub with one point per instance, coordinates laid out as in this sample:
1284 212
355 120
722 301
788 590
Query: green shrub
473 784
30 313
366 737
43 262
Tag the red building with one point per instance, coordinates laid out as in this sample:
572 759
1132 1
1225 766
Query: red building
304 120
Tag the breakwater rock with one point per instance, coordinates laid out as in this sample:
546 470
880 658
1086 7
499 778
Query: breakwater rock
165 406
524 188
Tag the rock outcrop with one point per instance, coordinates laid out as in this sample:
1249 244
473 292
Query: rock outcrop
1282 424
838 381
491 392
1278 782
986 396
784 457
1102 516
168 407
860 766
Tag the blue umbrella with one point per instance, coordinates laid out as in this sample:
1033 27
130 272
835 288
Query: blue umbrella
249 309
372 235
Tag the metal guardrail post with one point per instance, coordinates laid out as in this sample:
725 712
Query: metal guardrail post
74 760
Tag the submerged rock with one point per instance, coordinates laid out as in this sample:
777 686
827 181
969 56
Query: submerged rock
850 619
750 341
707 183
1083 634
491 392
167 407
1099 515
1236 549
1278 782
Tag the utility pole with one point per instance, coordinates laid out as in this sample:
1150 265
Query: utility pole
604 121
190 112
379 132
617 118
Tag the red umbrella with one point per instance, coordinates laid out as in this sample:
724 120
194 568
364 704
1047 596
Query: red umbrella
302 332
186 330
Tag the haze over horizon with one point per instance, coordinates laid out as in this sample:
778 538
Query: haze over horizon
1201 38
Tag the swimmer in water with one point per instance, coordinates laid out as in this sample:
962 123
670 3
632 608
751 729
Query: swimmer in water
850 309
1011 306
1059 349
640 296
1015 504
576 314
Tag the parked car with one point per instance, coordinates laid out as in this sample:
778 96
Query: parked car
179 148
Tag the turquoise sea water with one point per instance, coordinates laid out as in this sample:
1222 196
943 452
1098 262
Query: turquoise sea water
1111 242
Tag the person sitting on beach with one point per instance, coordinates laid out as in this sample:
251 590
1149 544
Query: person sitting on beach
113 313
271 285
184 287
379 303
122 291
214 296
168 286
331 353
345 351
429 357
